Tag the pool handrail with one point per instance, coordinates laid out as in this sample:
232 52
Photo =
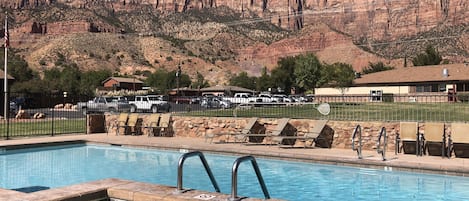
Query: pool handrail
357 130
234 178
179 188
381 148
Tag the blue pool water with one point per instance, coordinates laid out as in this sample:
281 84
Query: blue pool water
66 165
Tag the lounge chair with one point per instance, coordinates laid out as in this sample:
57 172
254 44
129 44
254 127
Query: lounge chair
283 129
165 124
313 134
459 140
252 126
153 125
309 136
121 122
412 140
435 139
133 125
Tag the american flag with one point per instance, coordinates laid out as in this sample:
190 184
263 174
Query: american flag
7 36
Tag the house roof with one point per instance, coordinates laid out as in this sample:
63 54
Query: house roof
419 74
226 88
124 80
2 75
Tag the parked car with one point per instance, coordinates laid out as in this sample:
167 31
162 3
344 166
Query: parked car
301 98
215 102
104 104
153 103
281 98
185 99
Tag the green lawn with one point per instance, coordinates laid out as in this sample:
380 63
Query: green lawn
43 127
445 112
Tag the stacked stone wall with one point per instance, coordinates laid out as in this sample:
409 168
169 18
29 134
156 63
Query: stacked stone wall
200 127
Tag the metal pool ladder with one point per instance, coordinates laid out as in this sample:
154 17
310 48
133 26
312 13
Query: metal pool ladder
381 148
204 162
234 177
357 131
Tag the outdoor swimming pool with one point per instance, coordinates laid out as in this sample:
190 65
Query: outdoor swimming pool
65 165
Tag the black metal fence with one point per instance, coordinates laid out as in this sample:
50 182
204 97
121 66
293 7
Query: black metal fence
49 117
42 114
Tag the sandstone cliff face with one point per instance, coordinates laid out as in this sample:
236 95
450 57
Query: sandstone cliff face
373 19
388 28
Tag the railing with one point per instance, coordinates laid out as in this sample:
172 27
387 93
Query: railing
234 177
419 107
423 107
204 162
43 122
381 147
357 131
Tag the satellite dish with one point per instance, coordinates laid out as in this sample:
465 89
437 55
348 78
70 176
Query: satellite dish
324 108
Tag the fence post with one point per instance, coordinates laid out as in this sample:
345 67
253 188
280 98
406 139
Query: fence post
52 127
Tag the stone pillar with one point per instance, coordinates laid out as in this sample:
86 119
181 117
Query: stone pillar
95 123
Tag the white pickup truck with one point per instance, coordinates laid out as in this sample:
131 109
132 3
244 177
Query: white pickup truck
152 103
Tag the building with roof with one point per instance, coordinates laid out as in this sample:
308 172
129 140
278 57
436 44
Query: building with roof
422 80
122 83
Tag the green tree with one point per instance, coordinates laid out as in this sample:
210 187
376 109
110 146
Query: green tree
19 69
69 79
243 80
158 80
283 75
429 57
90 80
264 82
307 71
339 75
163 80
376 67
51 79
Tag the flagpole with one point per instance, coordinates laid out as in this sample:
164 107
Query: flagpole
5 77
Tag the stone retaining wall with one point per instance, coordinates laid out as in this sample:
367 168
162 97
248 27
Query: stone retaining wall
199 127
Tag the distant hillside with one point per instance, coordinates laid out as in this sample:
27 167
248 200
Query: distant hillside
220 37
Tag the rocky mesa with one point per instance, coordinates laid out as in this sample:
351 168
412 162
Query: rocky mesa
219 37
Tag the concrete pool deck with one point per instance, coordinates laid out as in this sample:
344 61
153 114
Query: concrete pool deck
129 190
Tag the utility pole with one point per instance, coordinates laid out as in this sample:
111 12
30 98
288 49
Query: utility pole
178 77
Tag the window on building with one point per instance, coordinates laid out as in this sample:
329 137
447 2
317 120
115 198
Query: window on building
430 88
442 87
462 87
376 95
